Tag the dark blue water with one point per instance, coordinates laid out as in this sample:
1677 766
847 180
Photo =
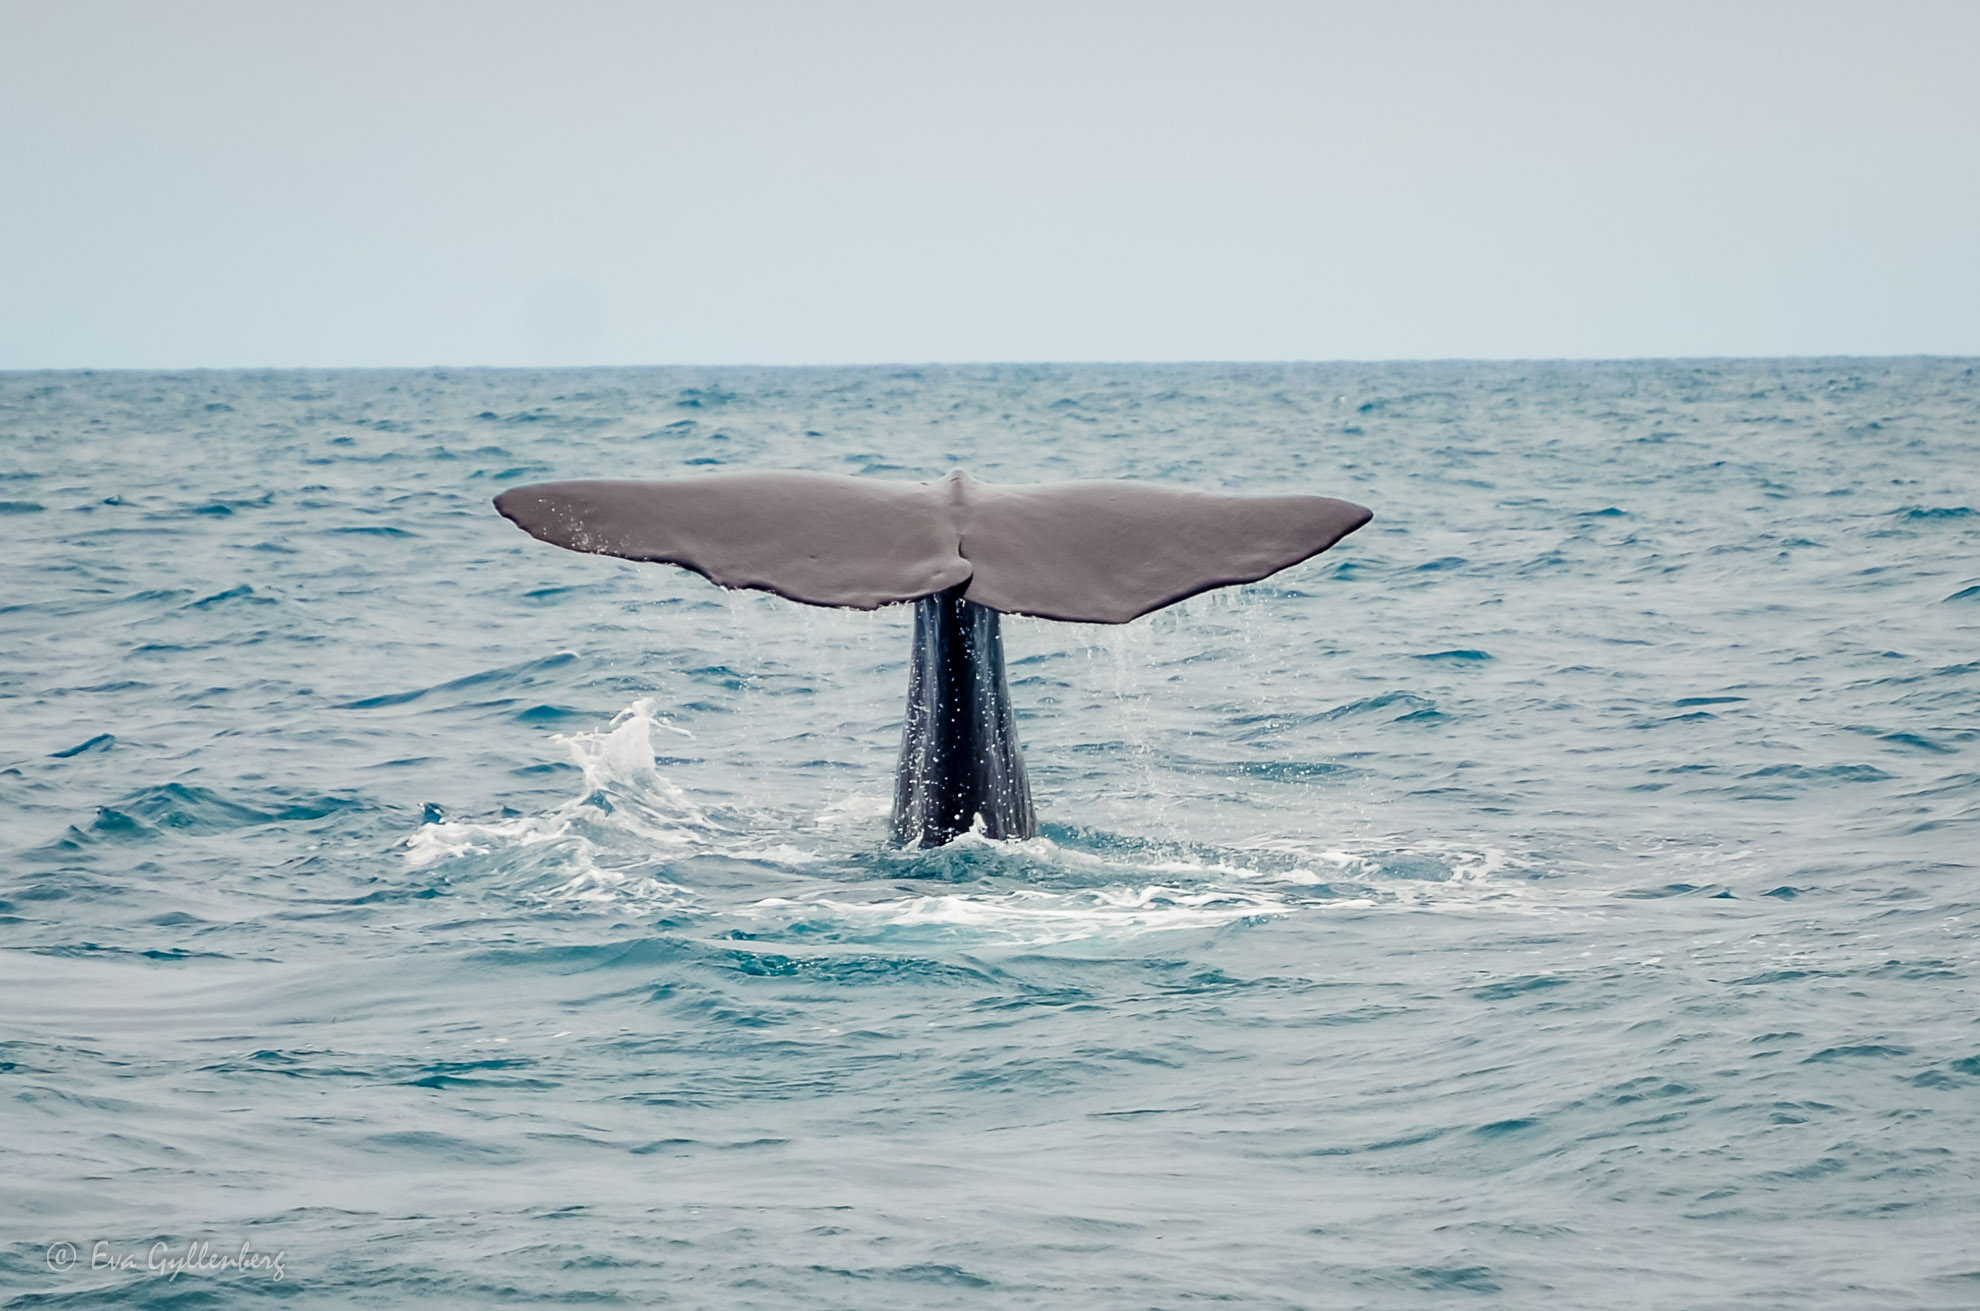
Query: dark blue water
1563 893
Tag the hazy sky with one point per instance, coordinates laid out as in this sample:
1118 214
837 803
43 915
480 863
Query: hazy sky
276 183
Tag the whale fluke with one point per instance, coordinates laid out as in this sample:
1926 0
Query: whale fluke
962 551
1100 553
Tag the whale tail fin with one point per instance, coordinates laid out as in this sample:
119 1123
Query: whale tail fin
1102 553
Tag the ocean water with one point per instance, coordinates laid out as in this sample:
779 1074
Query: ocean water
1561 894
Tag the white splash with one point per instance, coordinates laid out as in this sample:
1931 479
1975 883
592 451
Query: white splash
628 817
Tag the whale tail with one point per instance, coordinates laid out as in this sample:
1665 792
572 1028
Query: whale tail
964 552
1097 553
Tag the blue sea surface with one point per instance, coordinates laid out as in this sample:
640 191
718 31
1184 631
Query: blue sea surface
1563 893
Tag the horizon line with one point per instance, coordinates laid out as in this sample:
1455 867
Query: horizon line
986 364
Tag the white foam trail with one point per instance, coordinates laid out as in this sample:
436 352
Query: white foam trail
1030 916
644 812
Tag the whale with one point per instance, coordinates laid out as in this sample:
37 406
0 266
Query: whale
963 553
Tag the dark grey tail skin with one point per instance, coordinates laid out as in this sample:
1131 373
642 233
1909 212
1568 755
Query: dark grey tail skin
959 748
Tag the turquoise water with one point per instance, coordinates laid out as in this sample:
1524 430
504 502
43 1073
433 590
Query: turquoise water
1562 893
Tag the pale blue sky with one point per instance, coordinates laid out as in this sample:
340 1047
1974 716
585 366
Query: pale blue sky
401 183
